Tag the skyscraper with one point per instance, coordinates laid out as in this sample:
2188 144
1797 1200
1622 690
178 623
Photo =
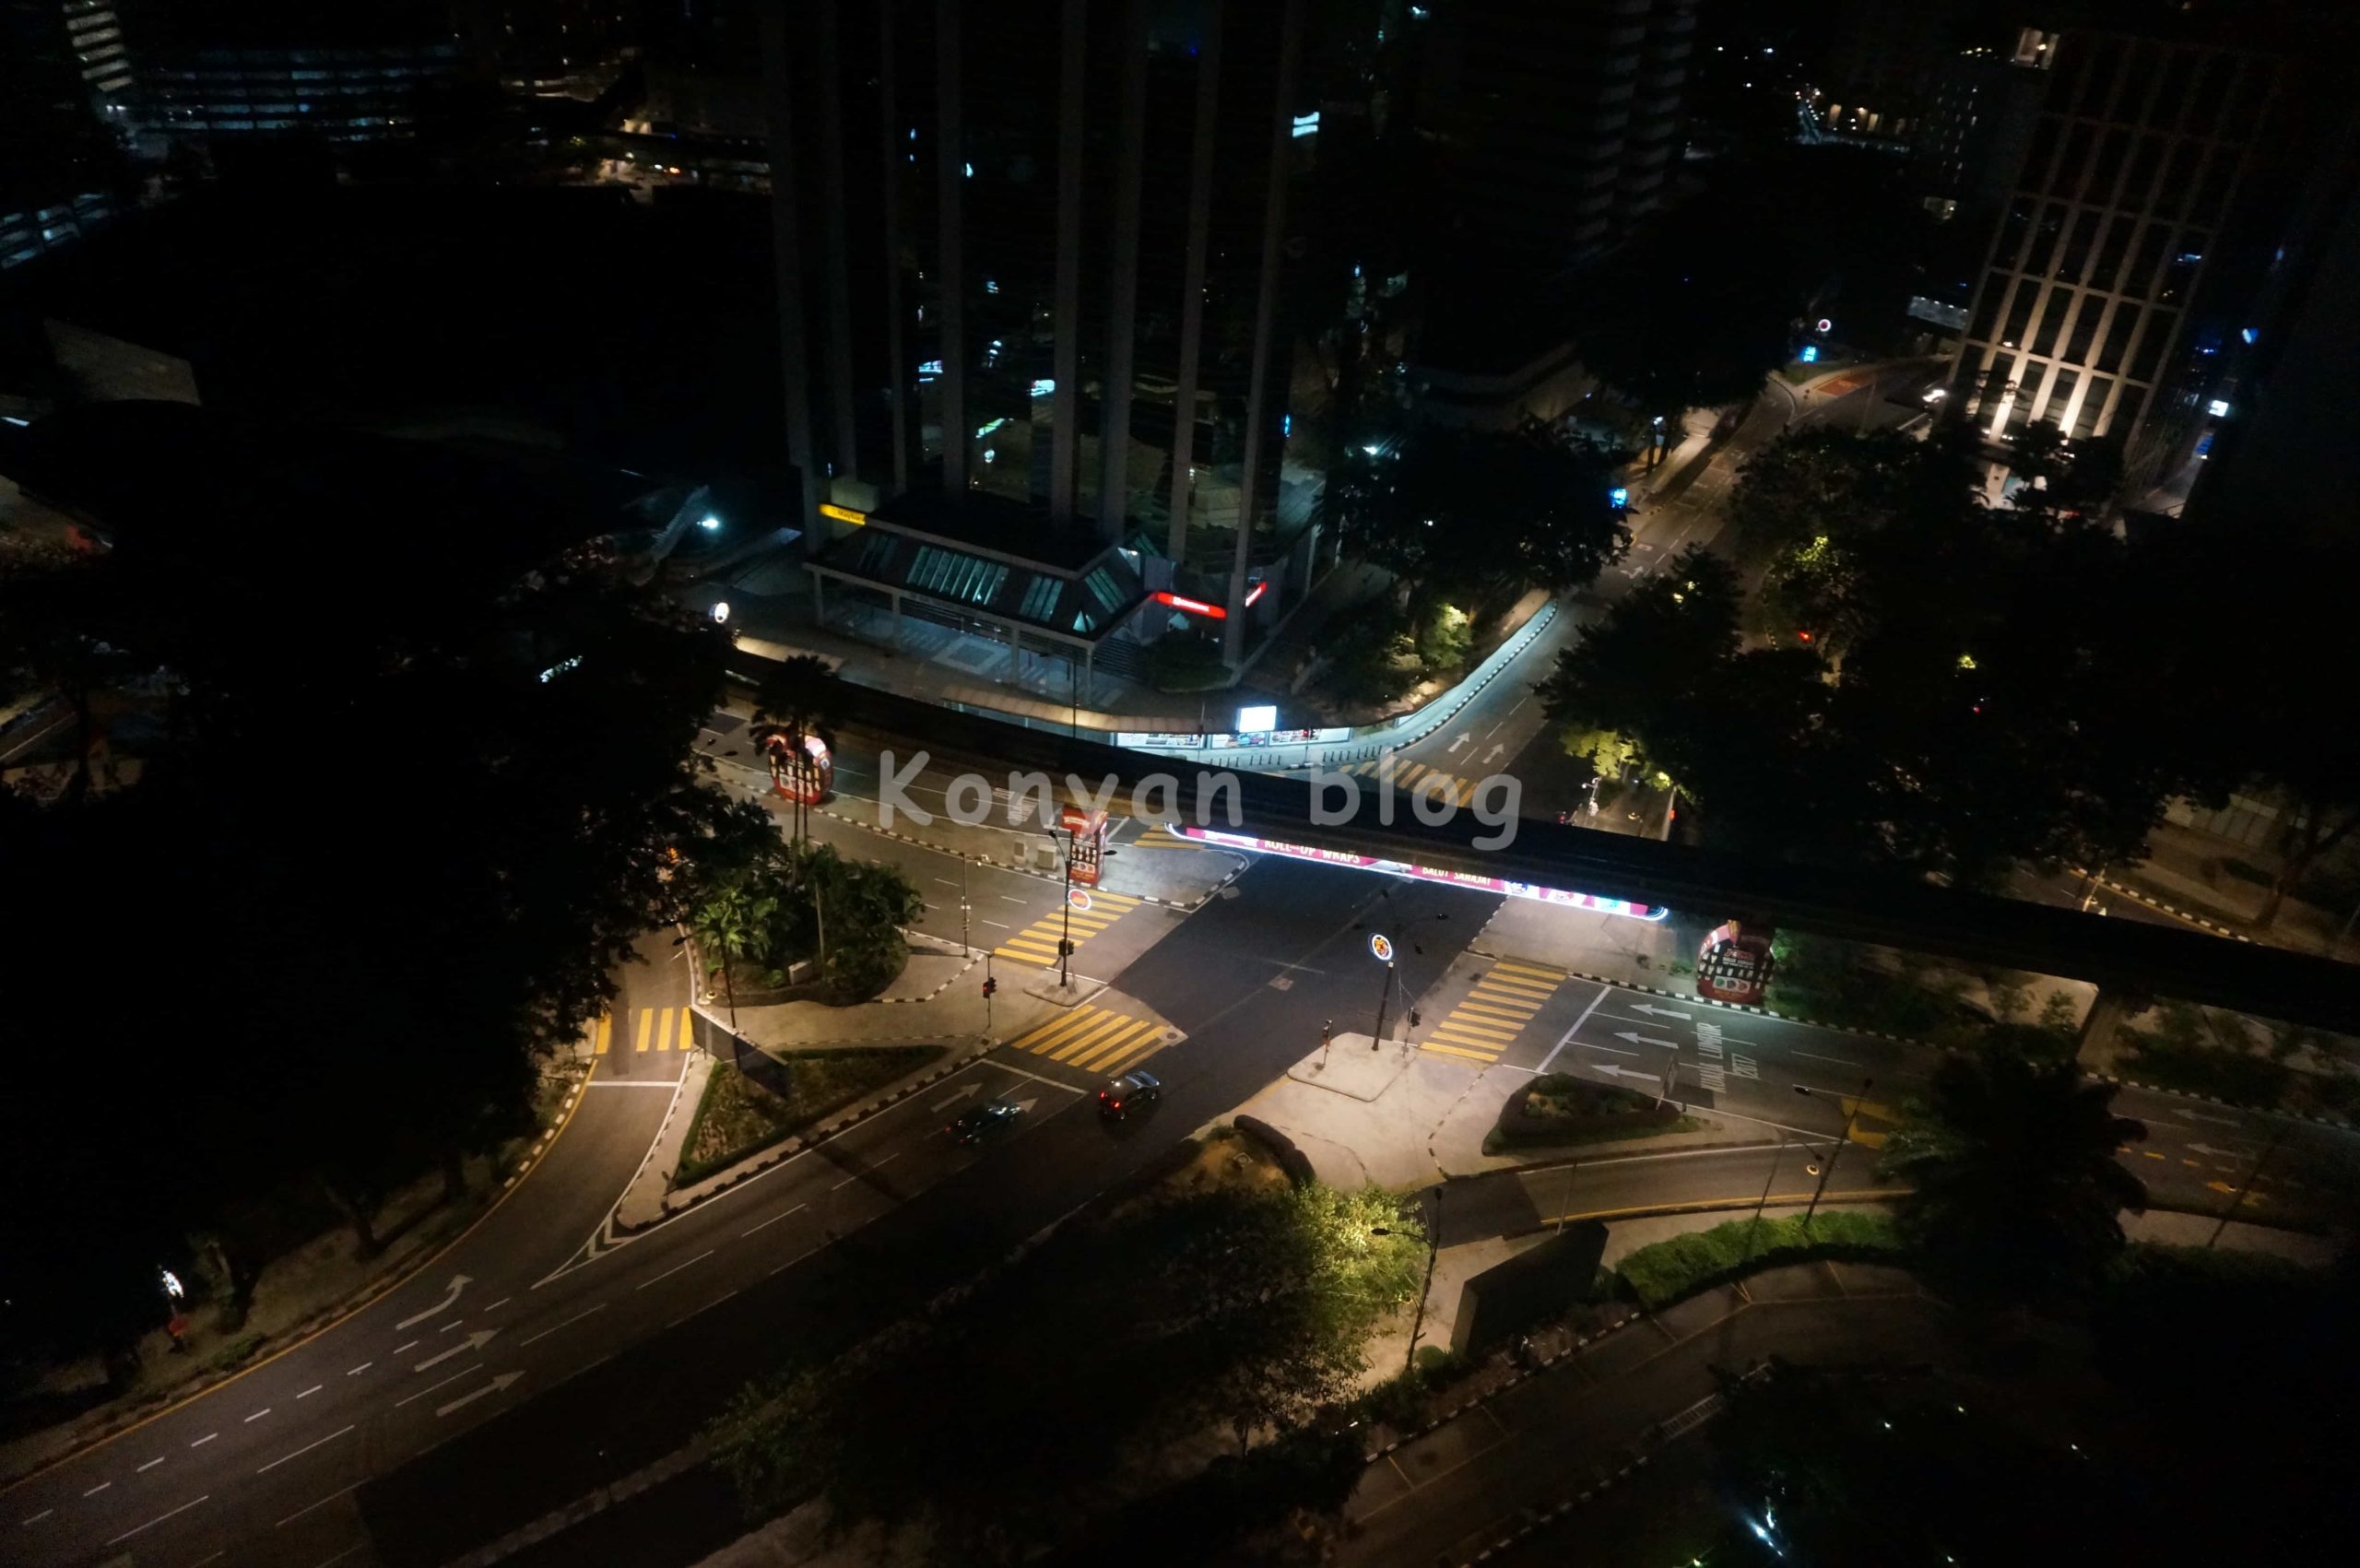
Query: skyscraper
2131 251
1048 267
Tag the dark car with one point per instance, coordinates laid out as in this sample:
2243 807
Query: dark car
987 1120
1132 1089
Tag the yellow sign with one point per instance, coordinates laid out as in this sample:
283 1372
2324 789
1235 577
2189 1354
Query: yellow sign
844 514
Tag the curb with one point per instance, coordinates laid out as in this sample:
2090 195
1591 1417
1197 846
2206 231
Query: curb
1579 1343
787 1148
2173 909
295 1335
2316 1117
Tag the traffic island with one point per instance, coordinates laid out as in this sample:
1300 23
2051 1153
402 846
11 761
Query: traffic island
1560 1111
1072 994
1349 1064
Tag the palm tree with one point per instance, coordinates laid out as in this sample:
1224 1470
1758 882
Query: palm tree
2015 1186
799 695
735 922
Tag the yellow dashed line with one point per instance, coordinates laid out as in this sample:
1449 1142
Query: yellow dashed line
1454 1051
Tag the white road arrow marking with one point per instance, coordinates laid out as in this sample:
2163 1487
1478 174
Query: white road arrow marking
1654 1011
1026 1105
1636 1039
2208 1148
450 1298
1464 737
1620 1072
494 1386
2202 1116
474 1341
1494 754
955 1096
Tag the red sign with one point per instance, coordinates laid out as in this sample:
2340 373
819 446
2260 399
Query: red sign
806 775
1085 844
1734 964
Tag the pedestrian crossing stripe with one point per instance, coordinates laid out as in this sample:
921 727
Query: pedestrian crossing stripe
1037 943
1158 837
1096 1040
1416 778
1489 1018
653 1031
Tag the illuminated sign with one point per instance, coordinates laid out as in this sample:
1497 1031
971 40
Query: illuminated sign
1380 947
1193 607
844 514
1468 880
1734 964
1256 592
1258 721
806 777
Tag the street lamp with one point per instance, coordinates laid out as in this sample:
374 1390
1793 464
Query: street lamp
1433 1248
1829 1168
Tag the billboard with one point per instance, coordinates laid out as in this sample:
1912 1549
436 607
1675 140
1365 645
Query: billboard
806 774
1085 844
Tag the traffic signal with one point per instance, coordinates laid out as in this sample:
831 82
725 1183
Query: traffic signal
1065 949
991 983
1414 1018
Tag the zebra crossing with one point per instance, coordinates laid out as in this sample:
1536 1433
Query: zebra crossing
1037 943
1488 1020
1161 837
1416 778
655 1031
1097 1040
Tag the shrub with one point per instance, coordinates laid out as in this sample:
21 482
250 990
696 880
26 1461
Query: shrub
2237 1076
1669 1270
1558 1108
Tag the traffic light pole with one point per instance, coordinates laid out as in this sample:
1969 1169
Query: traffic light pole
1064 941
1384 1000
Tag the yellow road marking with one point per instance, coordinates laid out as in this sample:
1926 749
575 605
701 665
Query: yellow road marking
2151 1154
646 1023
688 1040
1056 1028
1517 986
1477 1031
664 1031
1454 1051
606 1033
1554 976
1501 1002
1102 1028
1116 1045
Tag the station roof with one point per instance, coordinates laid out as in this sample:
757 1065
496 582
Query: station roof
994 559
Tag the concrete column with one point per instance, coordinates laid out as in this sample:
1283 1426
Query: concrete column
896 147
1266 309
1064 356
786 247
832 176
949 178
1192 286
2101 1039
1123 294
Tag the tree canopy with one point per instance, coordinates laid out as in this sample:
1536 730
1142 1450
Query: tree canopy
375 867
2015 1189
1481 515
1230 1311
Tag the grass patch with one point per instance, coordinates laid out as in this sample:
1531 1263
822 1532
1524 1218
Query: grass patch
737 1117
1669 1270
236 1353
1558 1109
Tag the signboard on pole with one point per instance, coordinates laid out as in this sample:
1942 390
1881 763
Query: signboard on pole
1734 963
1381 947
807 774
1085 844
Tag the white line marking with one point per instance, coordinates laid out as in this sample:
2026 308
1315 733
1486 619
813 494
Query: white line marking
299 1513
450 1325
307 1393
411 1346
364 1366
630 1083
791 1262
205 1438
151 1464
1037 1077
340 1556
157 1520
1577 1022
676 1268
454 1378
775 1218
331 1437
707 1307
1616 1049
501 1303
576 1318
97 1489
258 1415
1838 1060
217 1557
867 1171
946 882
37 1518
1010 898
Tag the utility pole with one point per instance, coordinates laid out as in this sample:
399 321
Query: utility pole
1384 1000
1326 1039
1065 940
1828 1169
1434 1247
1758 1204
966 949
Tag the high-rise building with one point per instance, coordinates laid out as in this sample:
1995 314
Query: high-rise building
242 68
1566 119
1046 271
2140 221
65 85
